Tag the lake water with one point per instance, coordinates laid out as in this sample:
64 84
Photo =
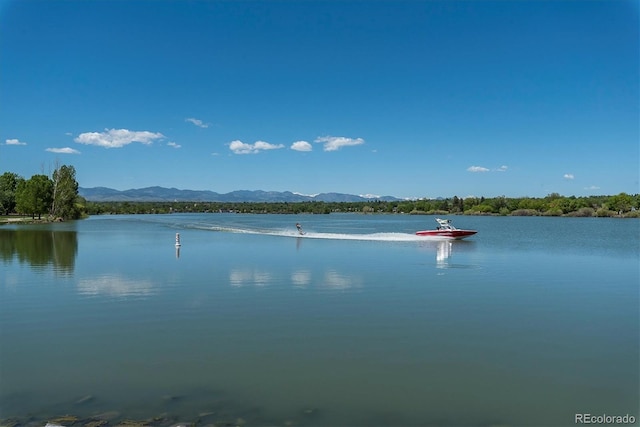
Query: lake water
357 323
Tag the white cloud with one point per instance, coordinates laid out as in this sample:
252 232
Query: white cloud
116 138
592 187
477 169
301 146
197 122
65 150
568 176
474 169
14 142
239 147
174 145
369 196
333 143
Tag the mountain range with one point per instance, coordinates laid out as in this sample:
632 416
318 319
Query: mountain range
162 194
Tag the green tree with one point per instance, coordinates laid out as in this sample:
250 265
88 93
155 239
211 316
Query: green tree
620 203
34 196
498 204
457 204
8 185
65 193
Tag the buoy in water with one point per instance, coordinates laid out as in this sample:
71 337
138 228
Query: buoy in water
178 240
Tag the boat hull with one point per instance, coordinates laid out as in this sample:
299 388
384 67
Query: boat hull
447 234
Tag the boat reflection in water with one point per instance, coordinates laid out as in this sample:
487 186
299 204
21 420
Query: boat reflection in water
443 253
445 249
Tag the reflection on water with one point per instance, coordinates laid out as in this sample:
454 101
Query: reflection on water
40 248
443 253
244 277
331 279
114 286
301 278
336 280
445 250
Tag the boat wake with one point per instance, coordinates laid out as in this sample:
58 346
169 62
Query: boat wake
380 237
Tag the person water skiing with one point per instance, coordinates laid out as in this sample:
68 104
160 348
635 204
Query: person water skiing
299 227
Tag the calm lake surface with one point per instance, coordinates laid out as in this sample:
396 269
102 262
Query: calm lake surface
357 323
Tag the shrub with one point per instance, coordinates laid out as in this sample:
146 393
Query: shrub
602 212
583 212
524 212
553 212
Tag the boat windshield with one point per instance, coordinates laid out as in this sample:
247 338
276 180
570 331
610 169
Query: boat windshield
445 224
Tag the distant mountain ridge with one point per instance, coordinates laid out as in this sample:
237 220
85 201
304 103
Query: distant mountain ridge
162 194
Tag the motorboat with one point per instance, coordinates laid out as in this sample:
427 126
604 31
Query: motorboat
446 230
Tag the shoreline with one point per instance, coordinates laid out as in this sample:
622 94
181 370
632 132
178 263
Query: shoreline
27 220
10 220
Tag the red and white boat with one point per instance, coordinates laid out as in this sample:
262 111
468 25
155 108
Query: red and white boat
446 231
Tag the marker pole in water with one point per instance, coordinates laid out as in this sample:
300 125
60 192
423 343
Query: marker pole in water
178 245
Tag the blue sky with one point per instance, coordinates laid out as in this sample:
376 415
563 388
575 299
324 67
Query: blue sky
403 98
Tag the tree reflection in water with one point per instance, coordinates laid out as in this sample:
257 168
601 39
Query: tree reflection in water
41 249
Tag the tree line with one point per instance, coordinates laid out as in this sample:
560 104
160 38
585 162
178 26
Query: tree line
620 205
56 196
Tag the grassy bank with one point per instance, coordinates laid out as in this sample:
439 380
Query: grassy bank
22 219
